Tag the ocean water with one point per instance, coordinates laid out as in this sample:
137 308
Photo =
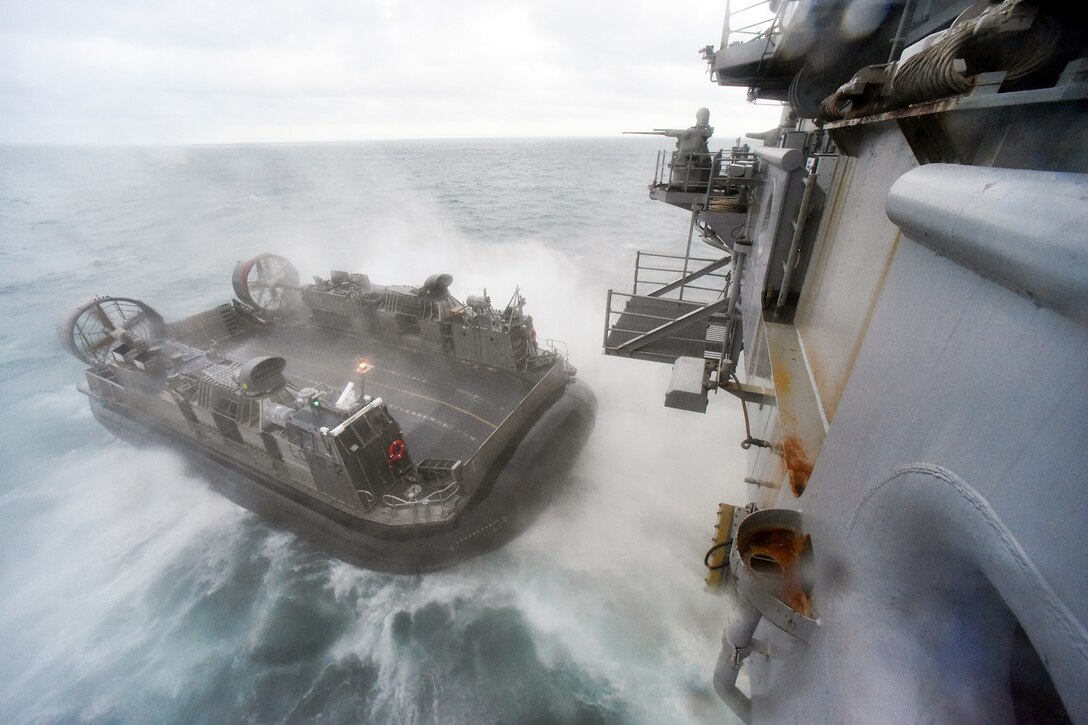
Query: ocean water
133 593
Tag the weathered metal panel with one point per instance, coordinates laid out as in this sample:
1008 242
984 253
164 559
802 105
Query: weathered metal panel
801 432
496 349
947 387
771 230
389 324
330 478
431 335
852 252
214 324
466 342
1027 230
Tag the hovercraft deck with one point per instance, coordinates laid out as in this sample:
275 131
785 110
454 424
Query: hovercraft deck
397 427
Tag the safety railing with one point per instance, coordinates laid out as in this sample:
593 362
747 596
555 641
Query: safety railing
674 275
708 174
636 328
558 348
439 496
366 498
757 20
677 306
692 175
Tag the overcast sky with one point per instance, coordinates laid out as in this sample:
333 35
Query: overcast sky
197 71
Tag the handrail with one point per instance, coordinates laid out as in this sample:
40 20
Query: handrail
555 345
698 314
703 173
440 496
676 256
685 281
678 279
768 25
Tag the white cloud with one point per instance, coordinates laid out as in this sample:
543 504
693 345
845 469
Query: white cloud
168 72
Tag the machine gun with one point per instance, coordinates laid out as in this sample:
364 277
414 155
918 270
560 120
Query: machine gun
691 162
672 132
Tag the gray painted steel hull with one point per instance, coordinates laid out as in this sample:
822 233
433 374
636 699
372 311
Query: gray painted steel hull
527 474
913 309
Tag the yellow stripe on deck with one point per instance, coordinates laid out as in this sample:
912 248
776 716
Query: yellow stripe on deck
489 424
436 400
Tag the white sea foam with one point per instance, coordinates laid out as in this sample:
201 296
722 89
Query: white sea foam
137 593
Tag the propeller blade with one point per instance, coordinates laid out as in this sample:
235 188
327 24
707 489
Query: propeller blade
98 344
103 317
136 320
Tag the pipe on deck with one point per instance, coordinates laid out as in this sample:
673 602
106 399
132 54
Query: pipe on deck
1026 230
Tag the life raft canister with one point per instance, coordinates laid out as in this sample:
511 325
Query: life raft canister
396 451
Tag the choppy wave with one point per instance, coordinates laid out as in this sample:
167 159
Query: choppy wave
135 594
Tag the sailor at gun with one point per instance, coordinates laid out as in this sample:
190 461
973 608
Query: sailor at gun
691 160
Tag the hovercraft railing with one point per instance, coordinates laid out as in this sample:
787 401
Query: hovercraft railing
441 495
558 350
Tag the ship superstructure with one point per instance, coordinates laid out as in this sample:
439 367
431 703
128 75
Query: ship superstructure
396 426
895 286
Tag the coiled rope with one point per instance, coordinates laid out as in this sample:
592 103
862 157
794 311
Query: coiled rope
948 67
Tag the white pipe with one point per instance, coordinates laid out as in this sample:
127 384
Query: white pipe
736 644
795 243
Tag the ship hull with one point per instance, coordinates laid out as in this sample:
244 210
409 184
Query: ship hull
525 476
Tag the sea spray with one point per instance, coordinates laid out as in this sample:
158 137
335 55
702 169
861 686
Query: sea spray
138 594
